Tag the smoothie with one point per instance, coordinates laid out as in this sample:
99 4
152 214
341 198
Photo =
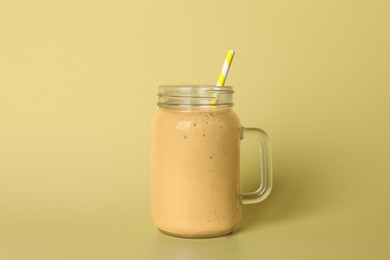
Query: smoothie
196 171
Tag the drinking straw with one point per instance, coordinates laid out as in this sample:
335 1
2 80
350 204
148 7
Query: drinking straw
225 68
224 71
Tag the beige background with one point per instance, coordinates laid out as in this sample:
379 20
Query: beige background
78 83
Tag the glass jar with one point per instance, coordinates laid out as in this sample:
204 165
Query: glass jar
196 190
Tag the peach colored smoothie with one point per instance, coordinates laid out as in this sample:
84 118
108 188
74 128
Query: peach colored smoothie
196 171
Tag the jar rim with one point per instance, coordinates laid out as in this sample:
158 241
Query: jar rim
187 88
195 95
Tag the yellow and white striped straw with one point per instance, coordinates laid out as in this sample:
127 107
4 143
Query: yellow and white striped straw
225 68
224 71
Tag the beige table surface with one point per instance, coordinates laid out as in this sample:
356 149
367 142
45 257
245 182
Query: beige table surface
78 83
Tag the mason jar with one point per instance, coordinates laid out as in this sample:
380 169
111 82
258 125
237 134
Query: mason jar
195 182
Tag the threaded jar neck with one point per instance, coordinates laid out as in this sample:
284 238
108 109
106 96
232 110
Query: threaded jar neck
195 96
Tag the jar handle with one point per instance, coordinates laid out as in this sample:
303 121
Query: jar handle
265 165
